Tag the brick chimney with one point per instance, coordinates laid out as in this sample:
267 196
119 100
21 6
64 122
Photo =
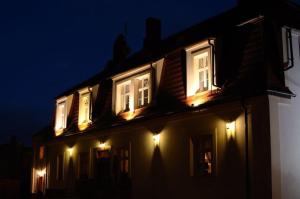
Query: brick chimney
152 32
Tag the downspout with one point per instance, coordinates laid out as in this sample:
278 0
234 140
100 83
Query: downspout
153 82
213 49
289 44
247 169
91 103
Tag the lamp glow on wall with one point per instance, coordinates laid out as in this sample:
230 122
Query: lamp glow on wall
104 145
70 150
230 129
41 172
156 139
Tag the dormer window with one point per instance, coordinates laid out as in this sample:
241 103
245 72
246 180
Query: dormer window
199 70
132 91
84 108
61 116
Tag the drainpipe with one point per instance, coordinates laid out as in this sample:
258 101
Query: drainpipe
247 169
289 44
213 61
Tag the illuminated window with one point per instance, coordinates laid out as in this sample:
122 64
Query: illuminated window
199 69
201 155
84 107
143 91
61 115
133 93
41 152
59 167
83 165
125 96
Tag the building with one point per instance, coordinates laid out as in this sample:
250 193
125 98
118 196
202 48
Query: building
15 169
209 112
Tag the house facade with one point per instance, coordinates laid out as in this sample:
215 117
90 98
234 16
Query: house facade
209 112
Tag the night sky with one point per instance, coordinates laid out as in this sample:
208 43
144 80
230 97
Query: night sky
47 47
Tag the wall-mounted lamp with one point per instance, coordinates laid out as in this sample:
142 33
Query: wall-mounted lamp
41 173
104 146
230 129
70 150
156 139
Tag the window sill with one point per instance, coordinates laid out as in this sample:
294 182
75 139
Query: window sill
58 132
84 126
200 97
129 115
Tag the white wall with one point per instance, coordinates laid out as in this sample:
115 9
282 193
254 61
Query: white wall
285 134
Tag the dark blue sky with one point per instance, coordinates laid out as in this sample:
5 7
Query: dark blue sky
48 46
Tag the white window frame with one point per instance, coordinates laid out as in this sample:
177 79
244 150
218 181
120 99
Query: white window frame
206 76
142 90
63 118
84 93
132 81
125 95
192 72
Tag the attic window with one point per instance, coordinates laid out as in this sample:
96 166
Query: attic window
84 116
199 70
61 116
133 92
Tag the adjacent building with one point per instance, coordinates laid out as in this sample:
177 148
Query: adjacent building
209 112
15 170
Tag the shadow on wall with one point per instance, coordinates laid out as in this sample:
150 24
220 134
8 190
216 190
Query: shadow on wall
232 168
158 183
70 176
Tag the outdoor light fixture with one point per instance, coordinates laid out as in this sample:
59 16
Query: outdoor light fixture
156 139
104 146
230 129
70 150
41 172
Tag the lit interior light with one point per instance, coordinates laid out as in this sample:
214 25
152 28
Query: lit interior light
230 129
41 172
70 150
156 139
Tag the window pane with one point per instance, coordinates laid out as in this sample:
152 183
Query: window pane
127 88
145 83
127 102
140 96
145 96
201 65
202 154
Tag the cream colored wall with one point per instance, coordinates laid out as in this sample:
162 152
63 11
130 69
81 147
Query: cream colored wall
165 171
285 137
